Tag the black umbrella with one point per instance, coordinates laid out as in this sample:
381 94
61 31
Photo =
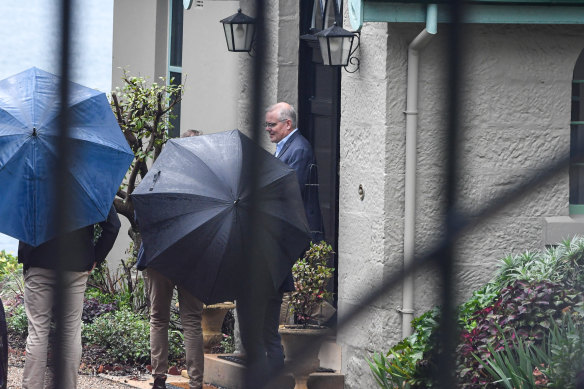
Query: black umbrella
198 224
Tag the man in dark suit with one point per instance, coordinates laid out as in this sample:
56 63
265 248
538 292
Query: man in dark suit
293 149
39 265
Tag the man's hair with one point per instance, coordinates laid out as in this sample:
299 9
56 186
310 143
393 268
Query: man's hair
188 133
285 111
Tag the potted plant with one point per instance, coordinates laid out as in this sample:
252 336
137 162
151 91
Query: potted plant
312 274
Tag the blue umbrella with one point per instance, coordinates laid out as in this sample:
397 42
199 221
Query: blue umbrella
29 129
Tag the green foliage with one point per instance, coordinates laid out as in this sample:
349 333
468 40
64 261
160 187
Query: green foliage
125 336
8 264
528 297
523 309
514 364
312 274
227 344
17 321
144 112
401 368
552 364
123 287
563 353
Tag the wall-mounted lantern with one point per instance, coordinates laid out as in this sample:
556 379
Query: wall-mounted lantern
336 46
239 32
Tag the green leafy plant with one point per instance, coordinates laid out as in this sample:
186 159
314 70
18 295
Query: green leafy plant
513 364
16 321
124 336
312 274
227 344
125 286
402 366
144 112
563 352
8 264
530 294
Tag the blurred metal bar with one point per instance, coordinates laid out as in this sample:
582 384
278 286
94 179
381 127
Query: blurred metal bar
256 298
447 330
62 185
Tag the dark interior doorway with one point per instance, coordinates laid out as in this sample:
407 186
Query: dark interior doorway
319 96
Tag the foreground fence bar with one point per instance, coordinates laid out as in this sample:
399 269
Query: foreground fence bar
62 185
442 254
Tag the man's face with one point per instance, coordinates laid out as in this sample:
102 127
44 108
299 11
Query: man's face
276 128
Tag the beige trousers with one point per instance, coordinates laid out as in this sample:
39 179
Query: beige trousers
38 303
160 290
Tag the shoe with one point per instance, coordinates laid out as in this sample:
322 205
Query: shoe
159 382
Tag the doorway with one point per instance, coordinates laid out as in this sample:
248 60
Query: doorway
319 97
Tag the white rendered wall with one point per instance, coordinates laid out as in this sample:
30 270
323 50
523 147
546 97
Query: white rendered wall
280 77
516 105
210 72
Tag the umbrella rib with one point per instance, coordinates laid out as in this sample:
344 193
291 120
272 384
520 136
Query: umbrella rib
50 119
286 221
275 182
174 241
75 179
216 201
16 119
226 186
106 145
13 155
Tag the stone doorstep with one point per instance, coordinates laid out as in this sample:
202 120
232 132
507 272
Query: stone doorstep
230 375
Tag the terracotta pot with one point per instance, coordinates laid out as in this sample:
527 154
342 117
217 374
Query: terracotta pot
212 321
301 347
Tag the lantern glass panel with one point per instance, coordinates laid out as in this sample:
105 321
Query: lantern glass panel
249 31
335 50
228 36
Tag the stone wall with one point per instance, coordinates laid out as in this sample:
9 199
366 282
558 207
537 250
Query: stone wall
280 78
516 114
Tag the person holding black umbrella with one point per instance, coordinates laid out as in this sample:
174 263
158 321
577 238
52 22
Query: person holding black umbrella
160 291
294 150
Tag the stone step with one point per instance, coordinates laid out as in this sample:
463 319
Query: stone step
229 375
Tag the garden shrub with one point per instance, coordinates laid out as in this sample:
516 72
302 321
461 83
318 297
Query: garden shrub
125 337
531 294
526 310
8 264
93 308
16 321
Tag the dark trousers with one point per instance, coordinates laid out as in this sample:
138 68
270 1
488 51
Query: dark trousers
258 322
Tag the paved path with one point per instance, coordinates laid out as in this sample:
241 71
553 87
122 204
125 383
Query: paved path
106 382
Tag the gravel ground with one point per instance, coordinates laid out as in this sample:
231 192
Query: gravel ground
83 382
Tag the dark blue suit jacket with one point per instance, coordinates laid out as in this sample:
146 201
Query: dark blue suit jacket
297 153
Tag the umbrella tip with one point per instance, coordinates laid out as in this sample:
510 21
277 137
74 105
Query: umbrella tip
34 131
235 201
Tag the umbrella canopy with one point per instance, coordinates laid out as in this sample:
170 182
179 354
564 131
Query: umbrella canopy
196 214
29 128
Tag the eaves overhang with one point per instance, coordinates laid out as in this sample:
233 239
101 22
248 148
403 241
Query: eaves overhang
475 11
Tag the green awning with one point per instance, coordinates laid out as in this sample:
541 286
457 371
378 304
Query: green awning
476 11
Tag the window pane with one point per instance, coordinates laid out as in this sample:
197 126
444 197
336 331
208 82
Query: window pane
176 33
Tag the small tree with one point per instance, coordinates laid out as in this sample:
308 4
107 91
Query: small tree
312 274
143 112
